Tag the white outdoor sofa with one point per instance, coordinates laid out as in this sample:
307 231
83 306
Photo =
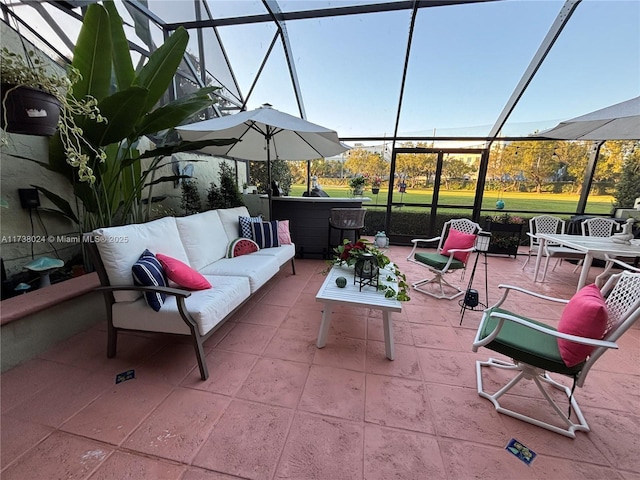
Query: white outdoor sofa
200 241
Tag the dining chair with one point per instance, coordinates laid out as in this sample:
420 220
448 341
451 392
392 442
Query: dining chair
542 224
597 227
611 261
559 252
455 244
590 324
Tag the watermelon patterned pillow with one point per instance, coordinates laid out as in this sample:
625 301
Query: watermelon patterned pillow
241 246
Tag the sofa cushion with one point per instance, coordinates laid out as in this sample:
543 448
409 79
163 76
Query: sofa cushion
258 268
229 219
148 272
207 307
246 225
283 253
182 274
203 237
120 247
265 234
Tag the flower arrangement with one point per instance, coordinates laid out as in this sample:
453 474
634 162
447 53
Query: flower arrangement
376 182
506 219
505 232
357 182
348 253
31 71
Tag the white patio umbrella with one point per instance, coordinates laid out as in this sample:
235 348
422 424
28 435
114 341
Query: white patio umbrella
265 134
616 122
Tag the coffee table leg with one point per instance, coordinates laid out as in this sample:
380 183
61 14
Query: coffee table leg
324 326
387 325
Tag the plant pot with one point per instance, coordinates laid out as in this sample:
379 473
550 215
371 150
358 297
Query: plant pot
358 191
505 237
375 190
29 111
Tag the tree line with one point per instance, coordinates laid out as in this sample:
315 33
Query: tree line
527 165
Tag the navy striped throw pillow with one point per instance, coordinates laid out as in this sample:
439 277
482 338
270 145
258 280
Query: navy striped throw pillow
148 272
265 234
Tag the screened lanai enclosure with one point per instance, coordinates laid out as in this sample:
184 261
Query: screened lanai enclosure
444 103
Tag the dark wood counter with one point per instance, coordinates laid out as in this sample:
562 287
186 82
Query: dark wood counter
309 220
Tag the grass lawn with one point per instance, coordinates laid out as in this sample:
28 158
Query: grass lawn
514 201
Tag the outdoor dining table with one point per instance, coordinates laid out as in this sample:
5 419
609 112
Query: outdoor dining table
590 246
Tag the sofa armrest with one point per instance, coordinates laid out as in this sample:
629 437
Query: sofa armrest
177 292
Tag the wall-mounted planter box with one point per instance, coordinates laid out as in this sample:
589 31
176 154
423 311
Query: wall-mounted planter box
505 237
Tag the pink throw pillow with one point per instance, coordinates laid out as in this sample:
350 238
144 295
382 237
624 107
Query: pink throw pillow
182 274
585 315
456 239
284 237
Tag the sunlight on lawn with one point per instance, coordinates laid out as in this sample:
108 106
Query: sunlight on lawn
514 201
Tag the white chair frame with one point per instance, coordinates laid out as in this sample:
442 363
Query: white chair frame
597 227
623 303
611 261
463 225
542 224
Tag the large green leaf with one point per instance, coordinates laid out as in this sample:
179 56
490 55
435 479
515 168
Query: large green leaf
186 147
158 72
123 109
176 112
58 201
92 54
170 115
122 64
171 178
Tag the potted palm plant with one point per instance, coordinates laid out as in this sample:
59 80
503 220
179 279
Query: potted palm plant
129 99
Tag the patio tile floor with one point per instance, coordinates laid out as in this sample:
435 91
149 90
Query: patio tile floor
276 407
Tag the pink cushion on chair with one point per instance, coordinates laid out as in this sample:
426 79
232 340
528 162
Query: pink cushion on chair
585 315
182 274
456 239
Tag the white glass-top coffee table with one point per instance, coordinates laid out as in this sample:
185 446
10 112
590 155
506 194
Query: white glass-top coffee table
330 294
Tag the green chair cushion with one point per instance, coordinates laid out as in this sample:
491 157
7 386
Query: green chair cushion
437 261
526 345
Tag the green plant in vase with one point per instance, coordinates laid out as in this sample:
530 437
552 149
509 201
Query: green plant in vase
357 184
36 100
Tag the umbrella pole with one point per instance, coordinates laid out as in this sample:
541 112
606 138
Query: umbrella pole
269 189
308 177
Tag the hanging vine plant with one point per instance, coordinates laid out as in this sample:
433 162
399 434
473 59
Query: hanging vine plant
36 101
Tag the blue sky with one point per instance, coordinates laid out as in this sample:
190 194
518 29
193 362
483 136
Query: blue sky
465 63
